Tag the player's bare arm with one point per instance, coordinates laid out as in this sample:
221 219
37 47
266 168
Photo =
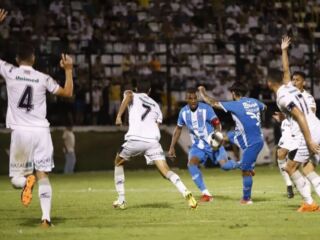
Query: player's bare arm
213 102
285 43
175 137
66 63
3 14
300 118
128 96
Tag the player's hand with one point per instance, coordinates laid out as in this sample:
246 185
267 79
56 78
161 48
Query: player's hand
172 154
118 121
3 14
201 89
66 62
278 116
285 43
313 147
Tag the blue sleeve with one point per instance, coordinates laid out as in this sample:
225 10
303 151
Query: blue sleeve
229 106
261 105
230 136
210 114
180 121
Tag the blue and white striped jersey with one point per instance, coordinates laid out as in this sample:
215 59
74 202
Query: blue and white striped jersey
198 123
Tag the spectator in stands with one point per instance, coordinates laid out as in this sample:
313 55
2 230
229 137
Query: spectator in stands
98 69
155 64
69 141
96 104
114 98
56 7
127 65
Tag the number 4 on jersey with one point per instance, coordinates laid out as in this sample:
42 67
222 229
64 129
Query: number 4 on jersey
26 99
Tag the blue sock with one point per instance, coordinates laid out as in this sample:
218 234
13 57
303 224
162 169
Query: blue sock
247 186
197 176
229 165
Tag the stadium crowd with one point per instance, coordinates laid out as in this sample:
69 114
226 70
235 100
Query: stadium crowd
184 44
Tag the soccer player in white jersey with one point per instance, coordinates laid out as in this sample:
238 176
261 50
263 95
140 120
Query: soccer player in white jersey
143 138
305 130
285 143
31 145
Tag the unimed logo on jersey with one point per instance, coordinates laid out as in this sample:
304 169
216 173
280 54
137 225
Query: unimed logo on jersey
27 79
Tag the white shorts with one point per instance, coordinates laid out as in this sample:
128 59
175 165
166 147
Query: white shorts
151 151
287 141
30 149
302 153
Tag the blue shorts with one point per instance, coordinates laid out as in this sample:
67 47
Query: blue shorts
250 155
204 154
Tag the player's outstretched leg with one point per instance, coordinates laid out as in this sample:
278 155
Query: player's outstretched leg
175 179
45 196
119 180
312 176
282 154
26 194
301 184
193 167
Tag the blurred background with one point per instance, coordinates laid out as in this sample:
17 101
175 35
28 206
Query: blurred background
174 44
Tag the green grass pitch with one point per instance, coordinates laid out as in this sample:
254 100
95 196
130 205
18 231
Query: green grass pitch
82 209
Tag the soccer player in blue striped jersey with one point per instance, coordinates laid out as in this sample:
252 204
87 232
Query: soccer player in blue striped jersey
201 120
247 134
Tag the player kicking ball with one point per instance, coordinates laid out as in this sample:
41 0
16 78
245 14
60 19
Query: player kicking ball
31 145
305 130
143 138
247 135
201 120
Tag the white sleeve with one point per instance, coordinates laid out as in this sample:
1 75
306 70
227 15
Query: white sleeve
2 63
311 102
286 101
160 117
4 68
51 85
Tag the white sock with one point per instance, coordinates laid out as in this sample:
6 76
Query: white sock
119 182
314 178
175 179
302 186
282 164
45 196
206 192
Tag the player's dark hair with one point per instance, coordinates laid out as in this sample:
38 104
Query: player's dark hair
275 76
239 88
300 73
143 86
192 90
25 51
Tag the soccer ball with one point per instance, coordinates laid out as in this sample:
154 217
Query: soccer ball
215 139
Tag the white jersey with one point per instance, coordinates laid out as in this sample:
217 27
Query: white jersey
26 90
144 116
288 97
309 99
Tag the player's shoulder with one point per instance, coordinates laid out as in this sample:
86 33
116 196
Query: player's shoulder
307 94
7 66
204 105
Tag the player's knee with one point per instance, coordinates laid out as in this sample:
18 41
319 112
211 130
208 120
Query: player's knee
282 153
118 161
18 182
193 161
248 173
